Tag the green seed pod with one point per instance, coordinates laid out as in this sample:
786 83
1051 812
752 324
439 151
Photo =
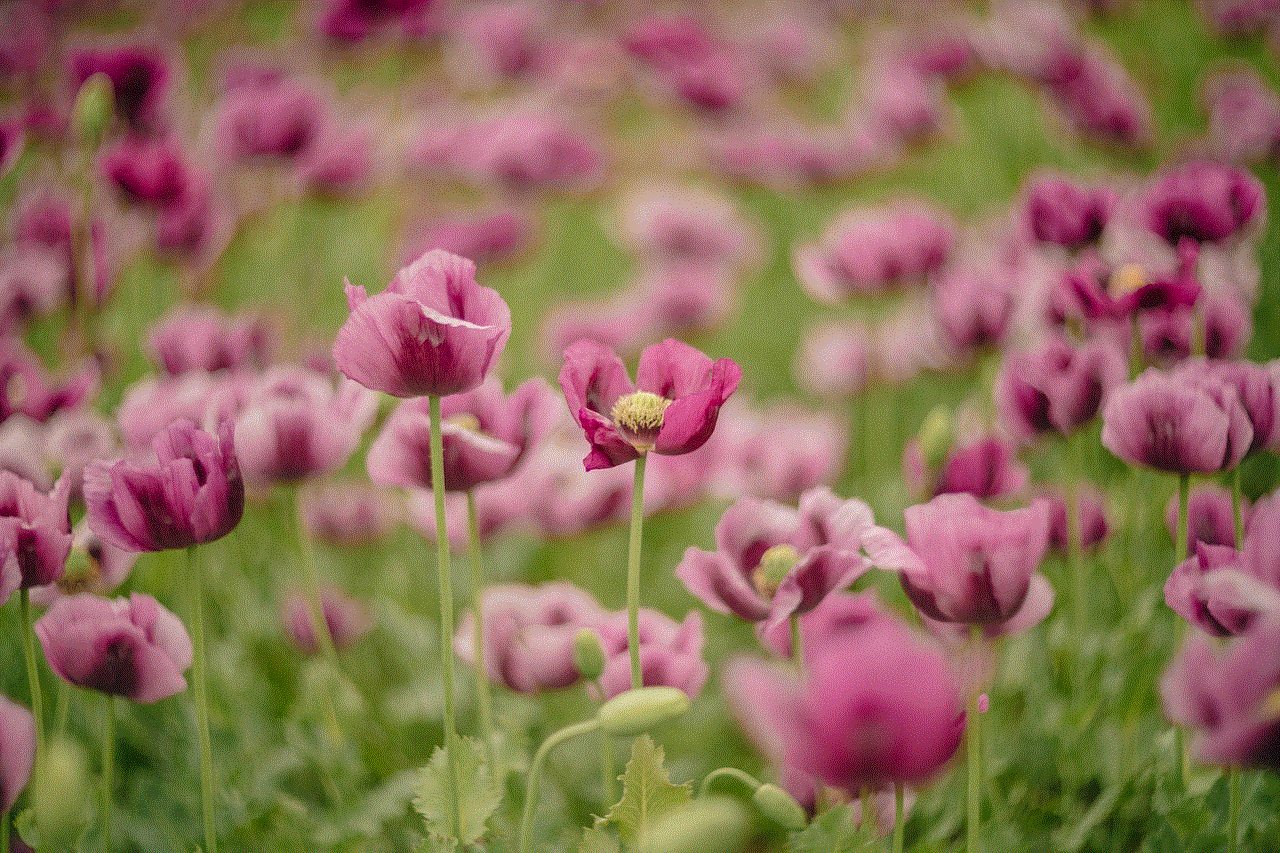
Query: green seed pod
588 654
60 793
93 108
936 436
706 825
779 806
636 711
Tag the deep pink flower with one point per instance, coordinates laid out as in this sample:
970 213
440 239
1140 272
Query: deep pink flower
291 424
1057 387
985 467
670 652
191 494
152 403
354 20
1205 202
34 281
1169 336
1255 387
838 613
1229 697
968 564
17 751
1223 591
140 80
1093 291
279 118
433 331
130 647
339 162
1181 424
201 337
671 408
94 566
1210 518
346 620
26 36
486 434
528 634
1059 211
773 561
36 529
149 172
1099 95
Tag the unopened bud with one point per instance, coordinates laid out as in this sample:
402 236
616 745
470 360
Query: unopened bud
60 793
82 573
705 825
93 108
636 711
936 436
780 807
588 654
775 565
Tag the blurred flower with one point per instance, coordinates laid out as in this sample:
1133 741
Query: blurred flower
94 566
776 453
339 162
528 149
1205 202
1176 423
671 224
347 513
902 105
486 434
974 304
279 118
1057 387
355 20
27 388
671 409
670 652
1228 697
130 647
1223 591
433 331
964 563
148 172
527 643
1255 387
1059 211
832 359
484 237
500 506
868 251
140 76
152 403
1091 519
26 37
17 751
1210 518
191 494
499 41
291 424
984 467
203 338
346 620
1169 336
562 498
35 529
1102 99
34 281
838 613
1244 116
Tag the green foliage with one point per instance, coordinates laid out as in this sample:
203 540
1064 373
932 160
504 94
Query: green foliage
647 791
478 794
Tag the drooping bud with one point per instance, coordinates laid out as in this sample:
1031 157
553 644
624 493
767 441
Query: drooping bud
936 436
775 565
638 417
93 108
588 654
706 825
780 807
639 710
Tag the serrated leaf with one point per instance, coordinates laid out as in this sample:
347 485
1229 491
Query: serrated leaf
478 794
646 790
596 840
832 830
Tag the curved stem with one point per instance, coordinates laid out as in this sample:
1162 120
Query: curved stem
484 705
200 678
633 574
899 823
535 771
108 766
444 574
33 674
745 779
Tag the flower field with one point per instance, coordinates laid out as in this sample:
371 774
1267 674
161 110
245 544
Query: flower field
561 425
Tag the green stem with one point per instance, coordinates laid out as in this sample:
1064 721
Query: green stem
535 771
108 766
4 831
1236 514
745 779
633 574
899 823
484 706
973 750
797 654
1075 552
63 711
865 824
310 576
33 674
1233 809
200 665
607 773
1180 540
444 574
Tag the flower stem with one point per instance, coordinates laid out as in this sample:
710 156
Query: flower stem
201 688
108 766
797 654
633 574
1180 541
484 707
315 607
444 574
535 771
899 824
973 749
1233 809
607 772
33 674
1236 514
1075 551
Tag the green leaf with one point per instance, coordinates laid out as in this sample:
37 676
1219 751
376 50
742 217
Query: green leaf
596 840
646 790
832 830
478 794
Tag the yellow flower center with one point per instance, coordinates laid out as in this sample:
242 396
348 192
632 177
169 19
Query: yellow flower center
1128 279
775 565
639 417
